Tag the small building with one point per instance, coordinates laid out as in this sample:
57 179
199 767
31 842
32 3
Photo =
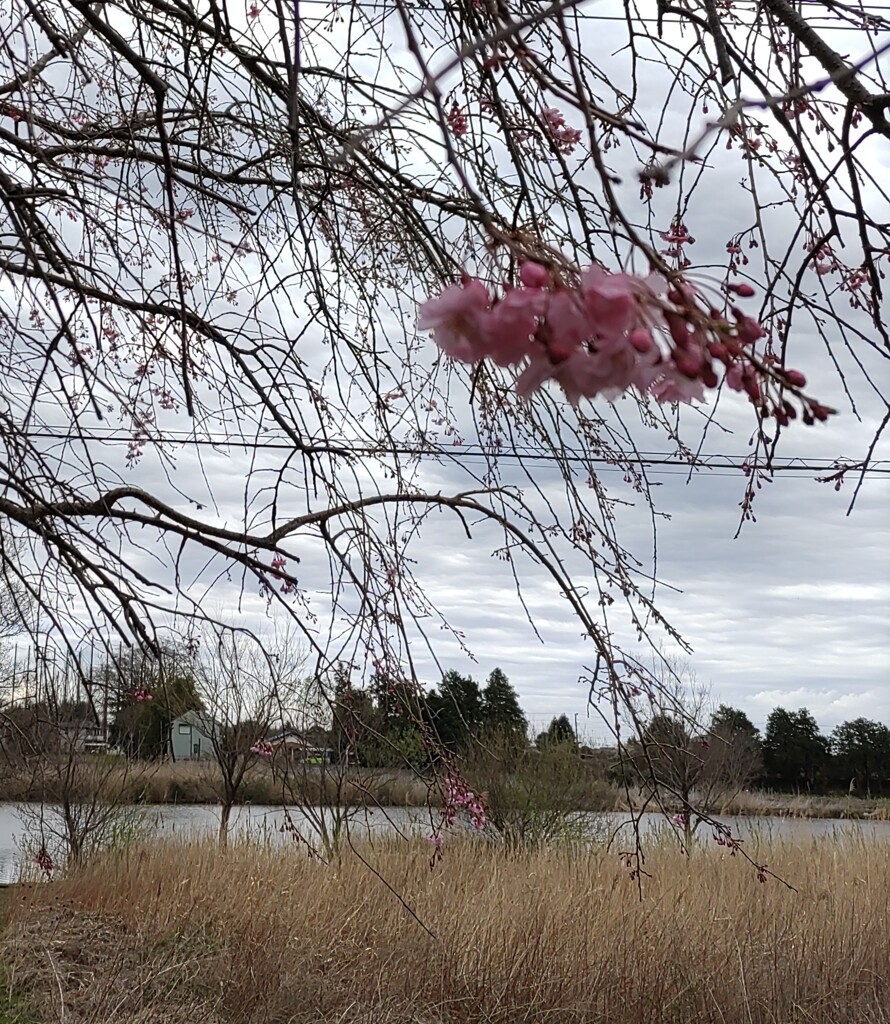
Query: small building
84 735
191 737
302 746
288 741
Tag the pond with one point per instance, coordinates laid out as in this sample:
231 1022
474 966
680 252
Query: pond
20 827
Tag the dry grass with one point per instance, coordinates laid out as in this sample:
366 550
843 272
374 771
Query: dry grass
191 782
185 933
788 805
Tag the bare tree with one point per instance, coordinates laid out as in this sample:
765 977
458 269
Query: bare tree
81 795
688 760
215 229
245 690
321 781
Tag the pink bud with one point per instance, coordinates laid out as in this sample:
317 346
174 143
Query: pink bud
533 275
640 339
744 291
689 363
795 378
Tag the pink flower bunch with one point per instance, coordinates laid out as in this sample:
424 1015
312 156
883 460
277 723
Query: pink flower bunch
678 234
459 796
263 748
564 138
142 696
458 122
43 860
278 565
605 335
676 237
723 837
824 260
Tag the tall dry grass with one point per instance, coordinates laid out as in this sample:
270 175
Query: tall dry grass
193 782
183 933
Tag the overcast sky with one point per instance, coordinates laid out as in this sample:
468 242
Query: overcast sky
795 611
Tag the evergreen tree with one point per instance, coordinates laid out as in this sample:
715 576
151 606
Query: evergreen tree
734 749
143 729
356 721
399 711
795 754
861 750
668 755
500 706
558 733
456 710
731 721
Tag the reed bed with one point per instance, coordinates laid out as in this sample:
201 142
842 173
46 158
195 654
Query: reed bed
191 782
188 932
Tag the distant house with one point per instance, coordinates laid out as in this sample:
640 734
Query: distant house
84 735
190 737
309 746
289 741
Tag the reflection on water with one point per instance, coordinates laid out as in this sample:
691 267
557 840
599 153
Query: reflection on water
19 825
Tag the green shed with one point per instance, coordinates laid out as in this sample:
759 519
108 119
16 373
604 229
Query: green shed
190 737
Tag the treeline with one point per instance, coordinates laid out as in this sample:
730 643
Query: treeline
391 723
792 755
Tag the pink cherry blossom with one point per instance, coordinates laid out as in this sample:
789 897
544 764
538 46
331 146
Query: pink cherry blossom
568 322
564 138
671 386
458 319
600 334
610 300
512 324
458 122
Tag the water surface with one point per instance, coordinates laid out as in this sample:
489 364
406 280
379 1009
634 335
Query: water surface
24 827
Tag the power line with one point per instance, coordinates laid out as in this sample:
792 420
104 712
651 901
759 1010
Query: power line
717 461
390 5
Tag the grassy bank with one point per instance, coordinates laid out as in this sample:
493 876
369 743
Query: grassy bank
186 933
190 782
790 805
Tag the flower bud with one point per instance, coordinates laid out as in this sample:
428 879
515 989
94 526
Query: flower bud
744 291
533 275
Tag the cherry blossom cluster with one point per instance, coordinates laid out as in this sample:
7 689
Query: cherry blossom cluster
564 138
43 861
723 837
142 696
278 565
459 796
458 122
608 333
263 748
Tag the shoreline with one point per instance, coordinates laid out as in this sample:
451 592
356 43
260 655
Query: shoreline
752 805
